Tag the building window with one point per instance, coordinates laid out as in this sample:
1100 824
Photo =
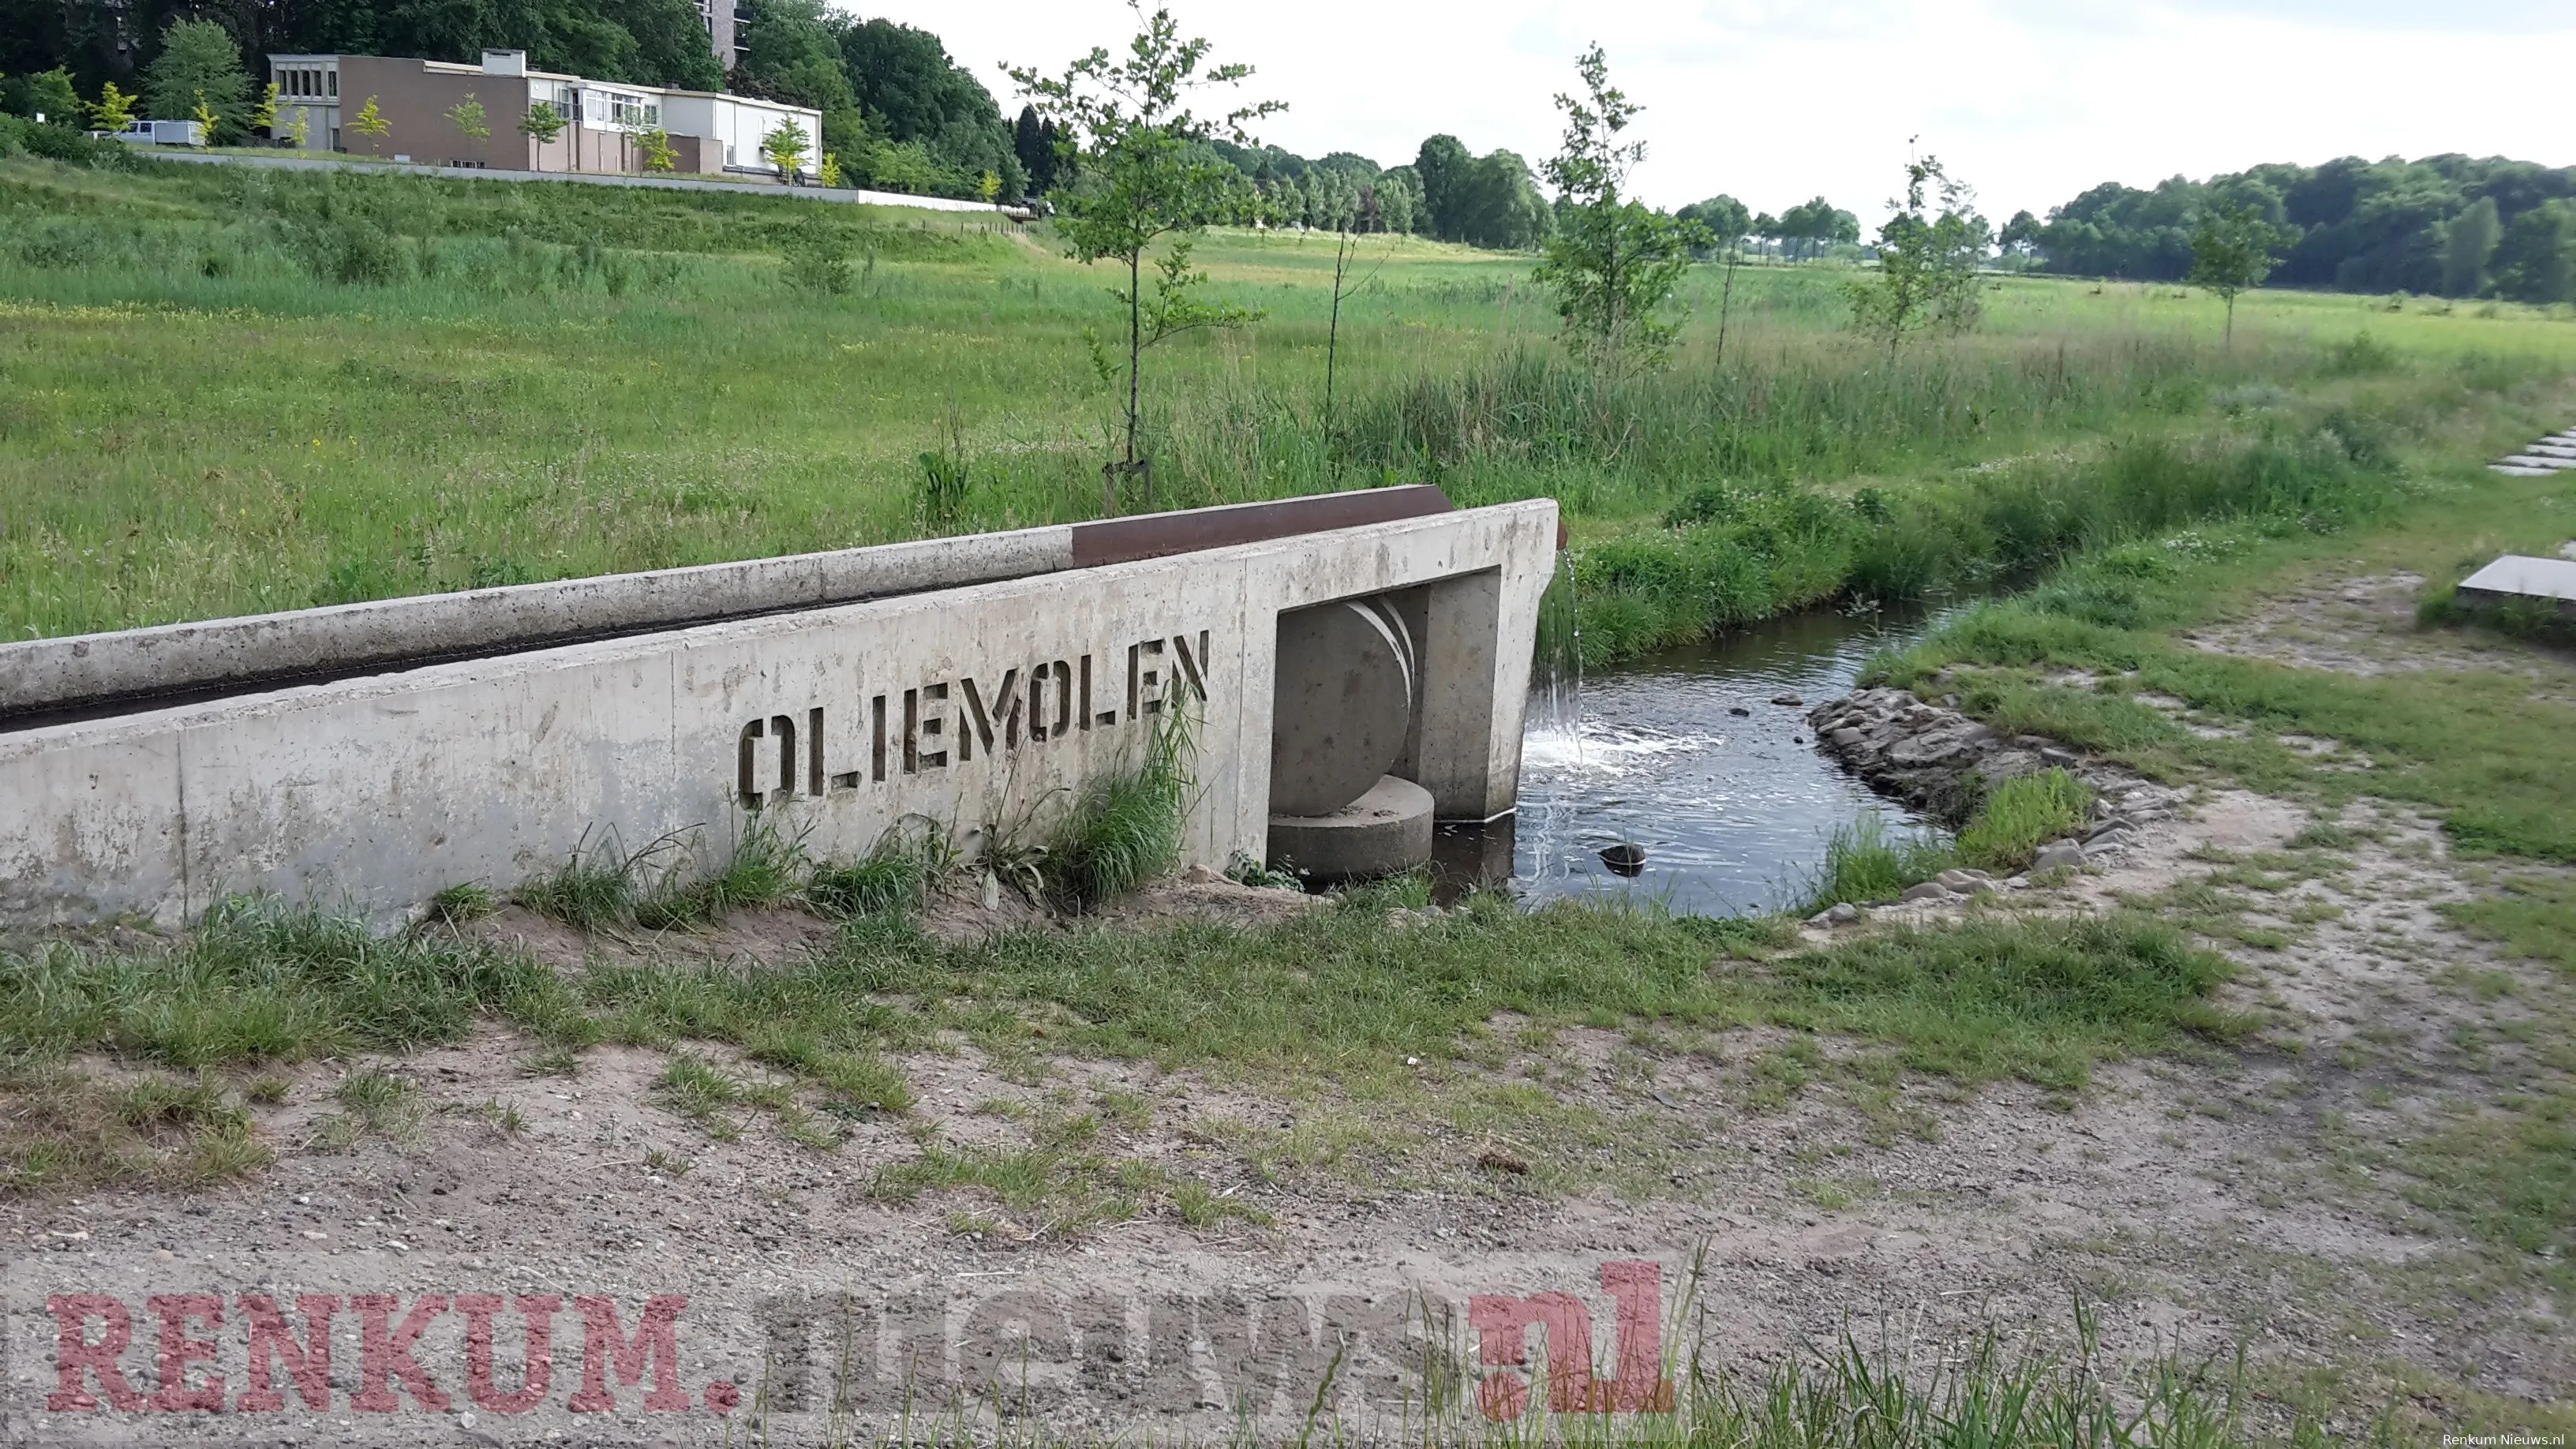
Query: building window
331 82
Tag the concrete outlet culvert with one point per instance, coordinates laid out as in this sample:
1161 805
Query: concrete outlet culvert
1348 679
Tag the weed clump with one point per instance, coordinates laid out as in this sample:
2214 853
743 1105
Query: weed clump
1867 861
2020 815
893 878
1126 827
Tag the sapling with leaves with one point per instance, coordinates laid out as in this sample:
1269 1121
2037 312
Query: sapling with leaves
1612 261
370 121
1142 177
1927 278
2231 251
786 148
660 155
114 110
470 118
206 119
543 123
261 119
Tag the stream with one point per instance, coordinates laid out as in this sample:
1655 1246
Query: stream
1684 755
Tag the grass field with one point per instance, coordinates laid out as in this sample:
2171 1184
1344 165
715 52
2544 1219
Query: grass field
229 391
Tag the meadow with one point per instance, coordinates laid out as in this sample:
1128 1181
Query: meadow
226 392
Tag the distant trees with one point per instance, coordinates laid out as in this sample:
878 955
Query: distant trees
1145 173
2020 236
1928 254
2536 260
1034 142
199 67
1612 261
1487 201
2355 225
2231 250
1812 225
1725 218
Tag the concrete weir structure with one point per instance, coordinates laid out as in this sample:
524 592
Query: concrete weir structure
366 756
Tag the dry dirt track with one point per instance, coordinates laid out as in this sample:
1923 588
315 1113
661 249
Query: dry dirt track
2206 1201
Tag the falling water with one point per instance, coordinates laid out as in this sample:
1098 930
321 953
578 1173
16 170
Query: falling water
1684 754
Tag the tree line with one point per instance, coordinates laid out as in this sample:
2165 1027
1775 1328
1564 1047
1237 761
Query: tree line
2452 226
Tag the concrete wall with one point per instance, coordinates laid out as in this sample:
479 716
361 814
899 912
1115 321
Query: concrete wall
415 100
376 792
842 196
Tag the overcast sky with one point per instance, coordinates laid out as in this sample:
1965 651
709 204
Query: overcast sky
1774 101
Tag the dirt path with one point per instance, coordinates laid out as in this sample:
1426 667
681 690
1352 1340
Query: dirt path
2227 1197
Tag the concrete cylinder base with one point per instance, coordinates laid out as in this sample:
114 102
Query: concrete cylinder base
1386 830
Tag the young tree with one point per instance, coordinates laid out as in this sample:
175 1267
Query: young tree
370 121
542 124
2231 250
1927 263
785 148
199 69
659 154
470 118
1612 261
1144 176
114 110
261 119
827 171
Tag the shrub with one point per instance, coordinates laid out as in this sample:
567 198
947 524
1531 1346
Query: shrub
817 261
350 251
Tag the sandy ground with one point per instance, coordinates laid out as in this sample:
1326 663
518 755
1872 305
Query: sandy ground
2205 1200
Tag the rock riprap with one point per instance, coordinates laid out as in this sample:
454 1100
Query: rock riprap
1936 759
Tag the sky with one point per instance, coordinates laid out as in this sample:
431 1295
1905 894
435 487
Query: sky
1774 101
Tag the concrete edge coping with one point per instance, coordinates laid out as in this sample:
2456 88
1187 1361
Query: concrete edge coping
45 680
379 683
2519 576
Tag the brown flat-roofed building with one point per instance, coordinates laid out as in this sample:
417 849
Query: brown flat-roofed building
423 104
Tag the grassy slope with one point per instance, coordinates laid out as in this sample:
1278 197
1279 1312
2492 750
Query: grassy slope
557 381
